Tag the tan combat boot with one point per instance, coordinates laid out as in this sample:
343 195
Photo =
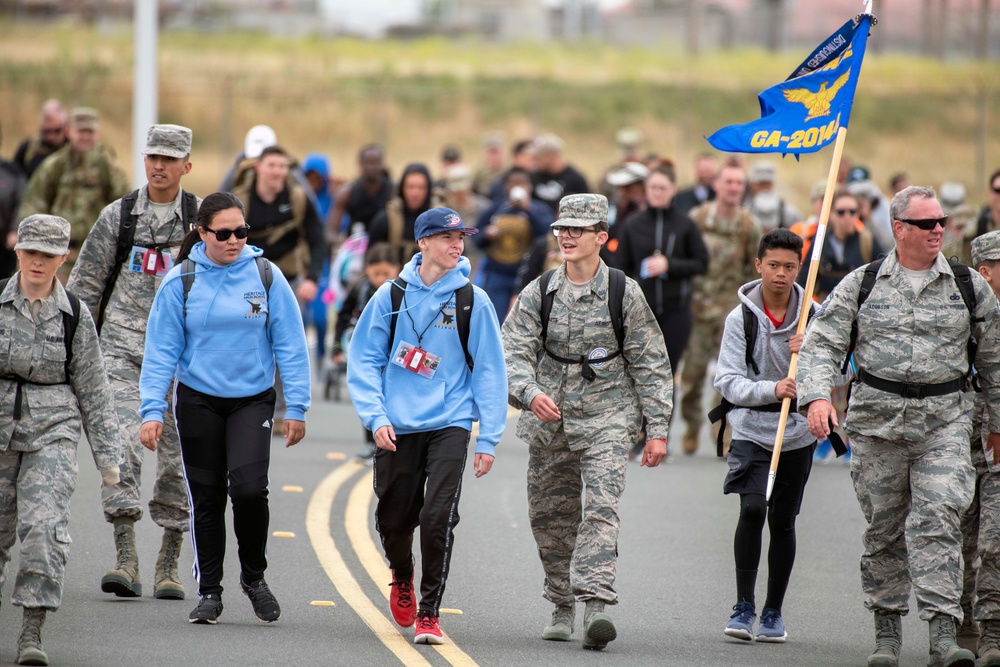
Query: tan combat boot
888 640
561 628
690 442
598 627
989 643
123 580
967 635
29 644
944 650
167 584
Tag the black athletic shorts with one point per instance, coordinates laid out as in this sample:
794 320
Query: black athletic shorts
749 464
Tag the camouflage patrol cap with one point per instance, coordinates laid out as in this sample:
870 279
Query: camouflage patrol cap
168 140
84 118
985 247
582 211
44 233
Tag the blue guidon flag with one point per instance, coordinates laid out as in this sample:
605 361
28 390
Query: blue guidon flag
803 113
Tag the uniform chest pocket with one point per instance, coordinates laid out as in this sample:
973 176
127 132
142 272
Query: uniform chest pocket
54 350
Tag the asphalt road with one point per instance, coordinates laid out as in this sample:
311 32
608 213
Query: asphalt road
675 575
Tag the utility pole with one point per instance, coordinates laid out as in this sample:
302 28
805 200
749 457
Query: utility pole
145 89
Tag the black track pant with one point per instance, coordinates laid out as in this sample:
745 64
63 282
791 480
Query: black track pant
226 447
419 485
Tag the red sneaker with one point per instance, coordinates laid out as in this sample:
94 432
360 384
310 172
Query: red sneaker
404 611
428 629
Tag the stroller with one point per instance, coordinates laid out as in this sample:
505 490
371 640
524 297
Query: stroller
333 371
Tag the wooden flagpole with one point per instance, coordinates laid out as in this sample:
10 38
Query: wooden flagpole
817 252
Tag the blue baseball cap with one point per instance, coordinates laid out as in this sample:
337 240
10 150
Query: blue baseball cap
439 220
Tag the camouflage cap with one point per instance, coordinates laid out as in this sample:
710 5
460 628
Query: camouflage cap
985 247
44 233
84 118
582 211
168 140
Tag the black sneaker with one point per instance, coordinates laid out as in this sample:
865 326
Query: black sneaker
208 610
264 605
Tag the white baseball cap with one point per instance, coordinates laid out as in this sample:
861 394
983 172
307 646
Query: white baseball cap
258 138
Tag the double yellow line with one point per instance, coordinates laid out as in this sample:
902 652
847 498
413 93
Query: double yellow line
356 523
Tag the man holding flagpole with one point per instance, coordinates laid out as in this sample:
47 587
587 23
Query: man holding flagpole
916 324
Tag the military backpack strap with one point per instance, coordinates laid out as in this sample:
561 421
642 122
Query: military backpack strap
750 335
616 304
70 322
866 245
187 279
464 300
189 211
396 291
547 298
264 270
963 280
867 283
123 248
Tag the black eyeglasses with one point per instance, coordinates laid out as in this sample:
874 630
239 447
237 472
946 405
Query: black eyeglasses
927 224
846 211
224 234
572 232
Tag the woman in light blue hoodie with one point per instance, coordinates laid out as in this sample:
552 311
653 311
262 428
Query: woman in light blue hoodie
220 320
419 395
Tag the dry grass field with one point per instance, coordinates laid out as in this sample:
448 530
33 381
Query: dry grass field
936 120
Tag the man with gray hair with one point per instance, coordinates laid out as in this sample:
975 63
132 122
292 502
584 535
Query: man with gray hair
554 178
584 381
912 322
52 121
121 265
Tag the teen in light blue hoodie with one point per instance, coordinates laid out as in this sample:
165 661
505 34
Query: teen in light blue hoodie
420 400
221 344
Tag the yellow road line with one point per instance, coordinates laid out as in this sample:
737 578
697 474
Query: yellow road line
318 527
356 523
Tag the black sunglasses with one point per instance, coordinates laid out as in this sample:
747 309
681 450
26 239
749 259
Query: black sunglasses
996 190
846 211
927 224
224 234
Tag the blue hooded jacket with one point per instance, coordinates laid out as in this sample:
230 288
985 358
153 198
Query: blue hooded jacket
223 348
385 393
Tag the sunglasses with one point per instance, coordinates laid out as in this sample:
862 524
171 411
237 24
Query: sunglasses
927 224
224 234
996 190
572 232
846 211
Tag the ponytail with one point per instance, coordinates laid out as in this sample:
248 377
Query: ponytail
211 206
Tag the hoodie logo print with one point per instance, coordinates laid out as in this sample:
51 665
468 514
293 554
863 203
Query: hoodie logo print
447 320
256 299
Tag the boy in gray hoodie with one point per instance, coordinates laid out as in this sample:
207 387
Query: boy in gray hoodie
755 384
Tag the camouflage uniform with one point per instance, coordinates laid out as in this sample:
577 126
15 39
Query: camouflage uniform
911 467
38 466
981 523
732 248
75 186
123 335
588 447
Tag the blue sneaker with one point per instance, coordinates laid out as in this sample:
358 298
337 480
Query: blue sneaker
741 622
772 628
824 452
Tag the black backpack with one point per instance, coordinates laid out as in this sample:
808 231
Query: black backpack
616 299
464 300
126 235
963 280
263 268
70 322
